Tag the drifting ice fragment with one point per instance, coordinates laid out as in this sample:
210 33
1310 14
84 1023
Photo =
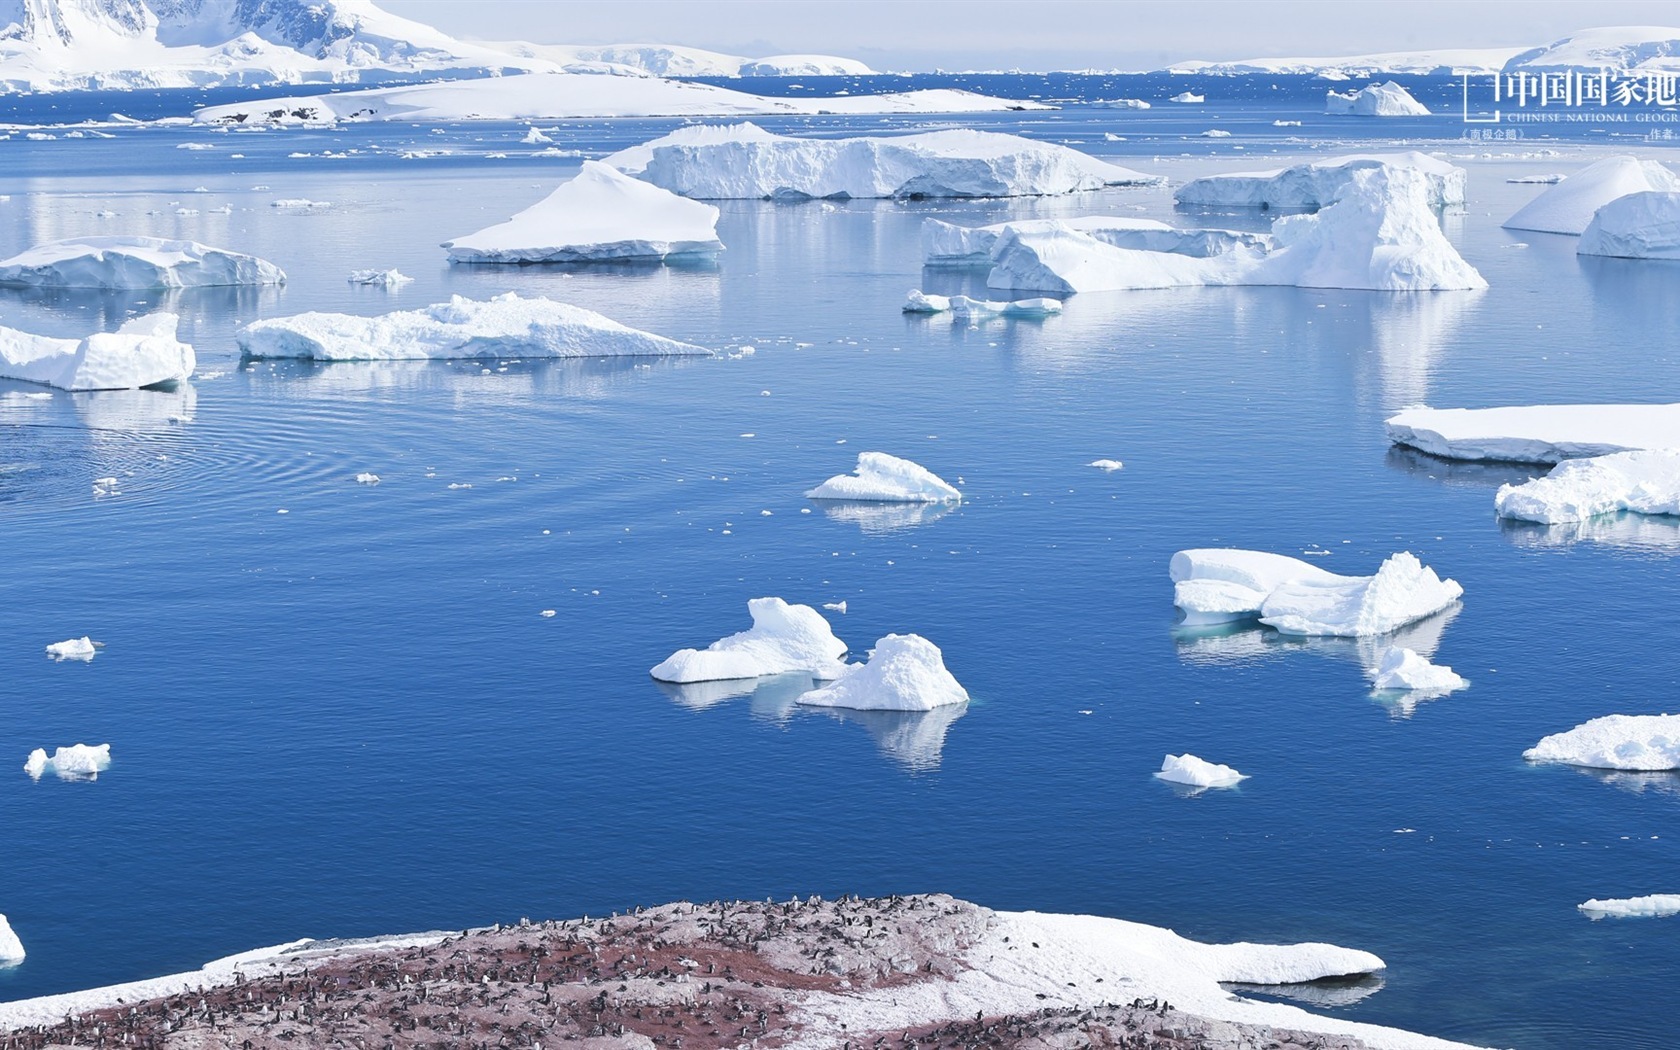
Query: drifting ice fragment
881 478
1655 905
1536 433
74 649
11 949
1644 482
1377 100
783 638
1192 771
1646 743
1403 669
76 762
1220 585
961 306
904 672
1636 226
380 278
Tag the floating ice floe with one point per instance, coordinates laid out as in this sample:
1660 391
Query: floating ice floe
380 278
504 326
600 214
1187 96
750 163
1568 207
783 638
1121 103
1404 669
76 762
1106 464
945 244
1645 743
962 307
83 649
133 263
1644 482
1377 100
367 478
1644 225
1537 180
144 352
1195 772
1316 183
299 202
11 949
881 478
1536 433
904 672
1654 906
1215 585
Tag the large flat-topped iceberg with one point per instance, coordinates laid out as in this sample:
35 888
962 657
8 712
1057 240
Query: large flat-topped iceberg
1317 183
1568 206
945 244
1644 225
600 214
964 308
1643 743
1535 433
955 163
1377 100
1644 482
1214 585
783 638
1197 772
1652 906
904 672
881 478
504 326
133 263
144 352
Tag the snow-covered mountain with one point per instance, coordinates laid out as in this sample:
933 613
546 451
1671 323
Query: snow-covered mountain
668 60
1642 49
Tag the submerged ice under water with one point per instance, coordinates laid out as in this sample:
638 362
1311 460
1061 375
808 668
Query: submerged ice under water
351 719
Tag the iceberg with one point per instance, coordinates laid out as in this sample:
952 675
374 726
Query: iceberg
76 762
600 214
380 278
1644 482
133 263
1377 100
1121 103
945 244
1212 585
1569 206
504 326
1187 96
1317 183
1404 669
82 648
11 949
1642 743
955 163
1535 433
962 307
783 638
880 478
1194 772
904 672
1654 906
1644 225
144 352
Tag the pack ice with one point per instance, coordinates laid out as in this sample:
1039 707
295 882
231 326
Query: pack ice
1195 772
904 672
1643 225
881 478
783 638
1404 669
1317 183
1644 482
76 762
1568 207
1376 100
504 326
1535 433
143 352
751 163
1644 743
964 308
1220 585
1653 906
600 214
119 262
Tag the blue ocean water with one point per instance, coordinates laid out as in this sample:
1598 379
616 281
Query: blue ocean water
351 719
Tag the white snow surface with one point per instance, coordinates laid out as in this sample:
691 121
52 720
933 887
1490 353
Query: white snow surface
671 60
74 649
11 949
120 262
1217 585
143 352
1643 225
1377 100
1569 206
882 478
1315 184
964 308
1654 906
600 214
1644 482
1644 743
1189 770
1439 61
503 326
1645 49
76 762
945 244
783 638
904 672
1404 669
1536 433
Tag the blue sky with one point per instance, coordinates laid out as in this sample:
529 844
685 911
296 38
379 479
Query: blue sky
1036 34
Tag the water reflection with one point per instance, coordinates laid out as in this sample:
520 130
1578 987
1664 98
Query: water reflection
1460 473
1328 994
78 311
583 379
1666 783
58 448
1657 534
1248 641
1407 334
877 518
771 699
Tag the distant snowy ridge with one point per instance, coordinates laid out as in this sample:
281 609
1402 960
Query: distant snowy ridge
1639 49
667 60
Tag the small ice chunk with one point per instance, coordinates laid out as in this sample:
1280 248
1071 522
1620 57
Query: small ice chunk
783 638
904 672
1296 598
1655 905
1642 743
1402 668
74 649
881 478
366 478
76 762
11 949
839 607
961 306
380 278
547 614
1195 772
299 202
1188 96
36 763
1106 464
1644 482
535 137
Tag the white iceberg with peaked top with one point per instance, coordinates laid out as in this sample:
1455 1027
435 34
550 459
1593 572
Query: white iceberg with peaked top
1187 96
1644 743
1315 184
783 639
1535 433
904 672
600 214
881 478
1404 669
1217 585
962 307
504 326
1653 906
144 352
1195 772
1568 207
76 762
11 949
955 163
945 244
120 262
1644 482
1644 225
1377 100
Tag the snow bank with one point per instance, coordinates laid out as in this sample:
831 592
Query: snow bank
380 278
904 672
881 478
1645 482
782 639
1644 225
11 949
954 163
1645 743
1220 585
1194 772
133 263
961 306
1377 100
143 352
1536 433
944 244
1654 906
504 326
74 649
76 762
1568 207
1403 669
600 214
1317 183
